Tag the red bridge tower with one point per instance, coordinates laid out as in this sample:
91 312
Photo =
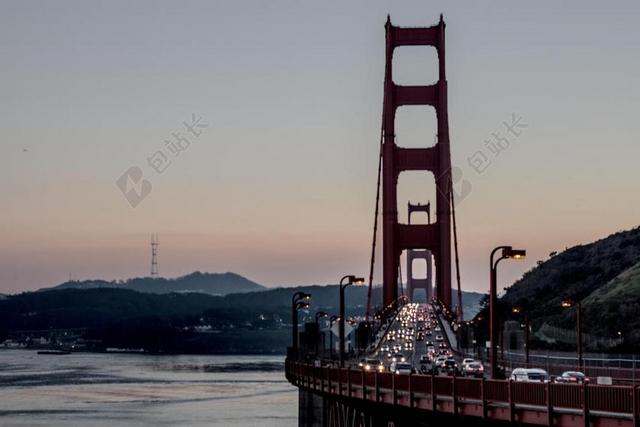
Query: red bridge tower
436 236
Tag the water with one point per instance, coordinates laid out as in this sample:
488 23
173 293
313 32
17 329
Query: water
139 390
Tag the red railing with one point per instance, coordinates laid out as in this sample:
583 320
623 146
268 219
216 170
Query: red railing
619 403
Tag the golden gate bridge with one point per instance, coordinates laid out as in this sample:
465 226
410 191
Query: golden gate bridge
345 393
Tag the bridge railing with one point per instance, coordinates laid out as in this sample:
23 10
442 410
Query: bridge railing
619 402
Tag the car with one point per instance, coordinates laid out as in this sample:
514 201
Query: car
439 338
401 368
572 377
425 358
384 348
530 375
437 329
466 361
442 345
473 369
420 336
373 365
439 360
428 343
449 366
398 357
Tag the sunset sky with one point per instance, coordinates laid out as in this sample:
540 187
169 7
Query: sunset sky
280 184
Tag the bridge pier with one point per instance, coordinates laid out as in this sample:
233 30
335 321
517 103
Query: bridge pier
317 410
311 409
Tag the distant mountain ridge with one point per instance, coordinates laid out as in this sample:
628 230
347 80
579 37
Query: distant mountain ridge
198 282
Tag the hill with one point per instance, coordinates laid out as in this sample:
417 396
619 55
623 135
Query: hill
616 305
253 322
575 273
206 283
602 275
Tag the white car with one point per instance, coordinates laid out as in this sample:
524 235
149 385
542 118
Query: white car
439 361
466 361
532 375
401 368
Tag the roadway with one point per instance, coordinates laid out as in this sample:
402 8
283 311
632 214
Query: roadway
414 327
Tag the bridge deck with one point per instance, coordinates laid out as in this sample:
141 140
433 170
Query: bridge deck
565 405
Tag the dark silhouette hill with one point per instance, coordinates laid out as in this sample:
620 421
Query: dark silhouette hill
603 276
206 283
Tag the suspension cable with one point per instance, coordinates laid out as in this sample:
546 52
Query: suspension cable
455 245
375 223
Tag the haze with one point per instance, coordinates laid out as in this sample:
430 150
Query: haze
280 184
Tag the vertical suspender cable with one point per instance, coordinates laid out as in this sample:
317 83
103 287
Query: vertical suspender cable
455 245
375 224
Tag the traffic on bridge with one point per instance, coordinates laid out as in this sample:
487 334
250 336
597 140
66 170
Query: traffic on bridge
403 364
416 342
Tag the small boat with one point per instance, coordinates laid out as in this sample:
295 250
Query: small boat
54 352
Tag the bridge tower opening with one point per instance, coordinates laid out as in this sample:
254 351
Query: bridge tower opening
434 237
414 282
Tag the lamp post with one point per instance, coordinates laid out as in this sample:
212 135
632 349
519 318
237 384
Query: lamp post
332 320
298 300
522 311
319 315
507 252
347 280
571 303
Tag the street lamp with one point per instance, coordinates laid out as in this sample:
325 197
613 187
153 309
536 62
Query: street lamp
298 301
507 253
319 315
525 318
332 320
347 280
571 303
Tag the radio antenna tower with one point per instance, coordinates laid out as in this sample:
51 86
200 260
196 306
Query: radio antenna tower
154 255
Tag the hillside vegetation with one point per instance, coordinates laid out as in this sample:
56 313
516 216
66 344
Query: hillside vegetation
616 306
254 322
603 275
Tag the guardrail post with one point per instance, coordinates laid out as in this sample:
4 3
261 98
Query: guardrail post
585 408
634 404
393 389
547 392
483 399
348 382
329 380
453 395
434 401
410 392
512 417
